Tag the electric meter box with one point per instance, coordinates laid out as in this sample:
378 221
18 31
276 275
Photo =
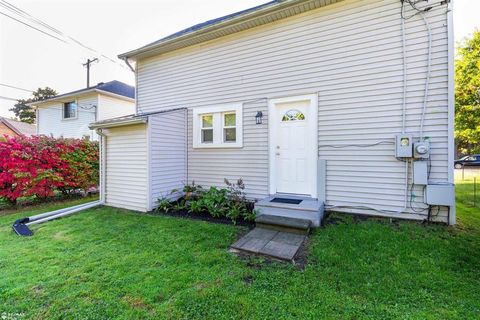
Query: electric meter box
403 146
440 194
421 150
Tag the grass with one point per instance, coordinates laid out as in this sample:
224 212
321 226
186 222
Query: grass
110 263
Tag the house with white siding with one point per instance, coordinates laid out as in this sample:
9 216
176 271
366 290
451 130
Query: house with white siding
68 115
346 105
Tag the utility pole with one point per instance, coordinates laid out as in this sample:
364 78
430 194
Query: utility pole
87 64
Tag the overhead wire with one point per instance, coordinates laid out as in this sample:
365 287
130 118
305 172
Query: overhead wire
15 87
30 26
33 19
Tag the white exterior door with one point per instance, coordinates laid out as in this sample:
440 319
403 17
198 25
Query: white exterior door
293 145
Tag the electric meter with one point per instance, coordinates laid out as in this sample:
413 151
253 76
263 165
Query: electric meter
403 145
421 150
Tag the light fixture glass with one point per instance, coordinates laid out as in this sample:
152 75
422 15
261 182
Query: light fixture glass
258 117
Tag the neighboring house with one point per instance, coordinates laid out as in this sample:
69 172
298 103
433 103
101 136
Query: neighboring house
68 115
14 128
300 98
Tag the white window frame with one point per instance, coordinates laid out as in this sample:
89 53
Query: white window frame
202 128
63 110
218 113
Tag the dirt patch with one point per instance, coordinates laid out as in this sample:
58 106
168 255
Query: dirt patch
301 258
37 290
137 303
61 236
248 280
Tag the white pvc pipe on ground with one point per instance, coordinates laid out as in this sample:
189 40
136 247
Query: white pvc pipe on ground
44 217
52 213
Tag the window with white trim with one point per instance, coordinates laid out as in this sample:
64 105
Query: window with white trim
218 127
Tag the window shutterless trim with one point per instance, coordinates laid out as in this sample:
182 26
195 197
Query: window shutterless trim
76 110
218 113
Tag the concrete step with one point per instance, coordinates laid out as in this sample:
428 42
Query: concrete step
308 209
284 224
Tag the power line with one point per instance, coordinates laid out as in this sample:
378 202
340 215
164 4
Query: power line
30 26
33 19
14 87
8 98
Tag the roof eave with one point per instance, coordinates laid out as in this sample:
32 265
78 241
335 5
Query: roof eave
144 51
119 123
68 95
114 95
10 126
57 98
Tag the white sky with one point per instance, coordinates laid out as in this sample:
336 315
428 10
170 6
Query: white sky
29 59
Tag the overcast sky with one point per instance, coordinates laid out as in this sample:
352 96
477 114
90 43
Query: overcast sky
30 59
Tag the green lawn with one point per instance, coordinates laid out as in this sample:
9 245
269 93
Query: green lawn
108 263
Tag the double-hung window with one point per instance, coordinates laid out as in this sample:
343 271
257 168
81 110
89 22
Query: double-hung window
70 110
207 128
218 127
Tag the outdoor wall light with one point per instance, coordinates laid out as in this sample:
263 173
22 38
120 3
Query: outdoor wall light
258 117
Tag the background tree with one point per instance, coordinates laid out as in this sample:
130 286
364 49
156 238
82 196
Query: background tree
467 95
25 113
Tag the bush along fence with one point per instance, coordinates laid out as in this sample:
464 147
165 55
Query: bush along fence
229 202
42 167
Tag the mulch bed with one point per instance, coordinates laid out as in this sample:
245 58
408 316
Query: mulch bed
205 216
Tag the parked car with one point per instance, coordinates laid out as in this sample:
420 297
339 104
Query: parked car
473 160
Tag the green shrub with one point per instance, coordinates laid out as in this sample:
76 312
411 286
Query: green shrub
230 202
163 204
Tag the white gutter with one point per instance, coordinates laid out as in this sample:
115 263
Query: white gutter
451 105
119 123
103 163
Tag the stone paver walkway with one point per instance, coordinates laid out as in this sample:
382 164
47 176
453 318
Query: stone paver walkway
277 244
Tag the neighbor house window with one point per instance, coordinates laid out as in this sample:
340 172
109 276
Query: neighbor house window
218 127
70 110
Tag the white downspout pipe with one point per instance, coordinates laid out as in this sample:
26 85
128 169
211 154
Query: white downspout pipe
451 105
103 153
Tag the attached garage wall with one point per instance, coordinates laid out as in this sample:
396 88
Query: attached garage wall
126 167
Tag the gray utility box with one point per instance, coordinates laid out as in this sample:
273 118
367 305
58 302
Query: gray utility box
403 146
420 172
440 194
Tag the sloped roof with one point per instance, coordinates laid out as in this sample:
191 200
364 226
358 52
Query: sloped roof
19 127
215 21
115 87
232 23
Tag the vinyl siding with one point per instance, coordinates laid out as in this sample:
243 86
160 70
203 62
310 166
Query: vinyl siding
110 107
209 167
168 154
126 167
51 122
348 53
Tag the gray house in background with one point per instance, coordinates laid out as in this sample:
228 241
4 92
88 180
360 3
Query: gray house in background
347 105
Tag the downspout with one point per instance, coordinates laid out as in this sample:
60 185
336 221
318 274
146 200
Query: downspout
128 64
125 59
103 162
451 106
